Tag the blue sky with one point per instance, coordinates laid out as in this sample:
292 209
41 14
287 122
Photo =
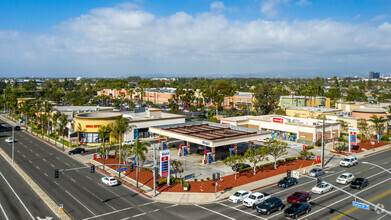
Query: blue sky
293 38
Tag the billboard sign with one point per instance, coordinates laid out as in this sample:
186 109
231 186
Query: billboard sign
164 163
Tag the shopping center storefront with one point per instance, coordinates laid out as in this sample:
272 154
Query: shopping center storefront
87 125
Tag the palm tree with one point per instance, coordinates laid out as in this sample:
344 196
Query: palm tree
104 134
25 108
37 108
42 119
48 109
379 123
55 118
118 130
62 127
139 149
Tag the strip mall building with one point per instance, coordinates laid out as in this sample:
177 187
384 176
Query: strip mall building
301 130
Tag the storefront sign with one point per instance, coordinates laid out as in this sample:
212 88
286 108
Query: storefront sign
278 120
206 143
92 126
224 123
353 136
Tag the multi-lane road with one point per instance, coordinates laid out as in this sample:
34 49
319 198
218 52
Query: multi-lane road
85 197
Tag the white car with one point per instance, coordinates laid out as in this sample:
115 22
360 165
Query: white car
263 140
255 198
239 196
109 181
9 140
345 178
128 142
348 161
324 187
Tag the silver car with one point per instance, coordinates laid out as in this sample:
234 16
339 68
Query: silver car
316 172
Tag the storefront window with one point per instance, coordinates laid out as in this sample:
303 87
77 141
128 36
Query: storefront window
90 137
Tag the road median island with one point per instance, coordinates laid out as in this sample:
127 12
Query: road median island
48 201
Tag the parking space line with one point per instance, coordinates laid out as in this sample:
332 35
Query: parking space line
17 196
240 210
108 213
363 190
5 214
218 213
80 203
148 203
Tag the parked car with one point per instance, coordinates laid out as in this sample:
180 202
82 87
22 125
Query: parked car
17 128
316 172
128 142
287 181
9 140
239 166
255 198
239 196
298 197
263 140
109 181
296 210
324 187
270 205
78 150
348 161
359 183
345 178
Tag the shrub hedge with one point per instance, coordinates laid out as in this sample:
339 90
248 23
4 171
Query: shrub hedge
290 158
245 169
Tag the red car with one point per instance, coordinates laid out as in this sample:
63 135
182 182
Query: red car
298 197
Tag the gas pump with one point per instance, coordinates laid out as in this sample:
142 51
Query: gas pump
205 158
231 151
180 150
184 148
209 157
160 143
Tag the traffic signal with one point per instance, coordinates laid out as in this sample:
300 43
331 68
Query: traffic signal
217 176
156 173
318 181
56 174
288 173
214 177
131 167
92 168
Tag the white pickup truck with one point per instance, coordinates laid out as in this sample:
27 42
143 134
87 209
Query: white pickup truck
255 198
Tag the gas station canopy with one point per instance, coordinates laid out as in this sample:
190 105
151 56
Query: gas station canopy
209 134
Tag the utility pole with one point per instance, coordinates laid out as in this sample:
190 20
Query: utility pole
154 171
322 152
13 144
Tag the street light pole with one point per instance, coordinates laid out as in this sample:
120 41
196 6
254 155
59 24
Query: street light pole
323 127
13 144
377 166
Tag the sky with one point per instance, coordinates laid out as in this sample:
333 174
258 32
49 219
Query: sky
198 38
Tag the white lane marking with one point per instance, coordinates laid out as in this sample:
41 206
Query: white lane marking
108 213
358 172
382 216
134 216
31 150
37 167
77 170
56 183
154 211
67 164
52 165
18 151
88 177
5 214
37 155
44 159
171 206
385 163
148 203
57 158
73 180
256 216
23 156
30 161
80 203
363 190
210 210
372 168
45 174
94 194
17 196
304 183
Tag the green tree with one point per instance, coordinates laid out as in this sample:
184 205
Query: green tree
118 130
276 149
378 123
256 156
218 90
176 165
266 98
55 118
104 134
233 161
306 155
140 148
63 127
363 127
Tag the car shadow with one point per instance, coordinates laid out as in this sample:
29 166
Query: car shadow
331 210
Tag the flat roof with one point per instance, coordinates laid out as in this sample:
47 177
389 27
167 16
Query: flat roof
209 133
315 109
98 115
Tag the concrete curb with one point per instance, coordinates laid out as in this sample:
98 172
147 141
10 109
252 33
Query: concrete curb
48 201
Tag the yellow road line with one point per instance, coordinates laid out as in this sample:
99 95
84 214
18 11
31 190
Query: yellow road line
381 195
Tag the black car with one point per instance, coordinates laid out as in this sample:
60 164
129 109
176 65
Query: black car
287 181
239 166
17 128
296 210
78 150
270 205
359 183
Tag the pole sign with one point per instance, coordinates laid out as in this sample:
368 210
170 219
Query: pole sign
353 136
378 138
164 163
360 205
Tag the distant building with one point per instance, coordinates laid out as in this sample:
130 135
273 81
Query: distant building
303 101
373 75
309 112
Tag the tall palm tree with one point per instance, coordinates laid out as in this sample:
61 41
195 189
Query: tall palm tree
379 123
118 130
55 118
48 109
42 119
139 149
37 108
62 127
104 133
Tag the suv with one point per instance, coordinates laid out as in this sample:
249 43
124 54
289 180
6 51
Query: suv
255 199
348 161
78 150
287 181
270 205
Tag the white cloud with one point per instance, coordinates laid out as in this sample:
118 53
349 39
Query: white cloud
269 7
379 18
132 41
219 6
303 3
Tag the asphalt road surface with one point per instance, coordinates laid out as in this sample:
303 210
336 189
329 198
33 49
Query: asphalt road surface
85 197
